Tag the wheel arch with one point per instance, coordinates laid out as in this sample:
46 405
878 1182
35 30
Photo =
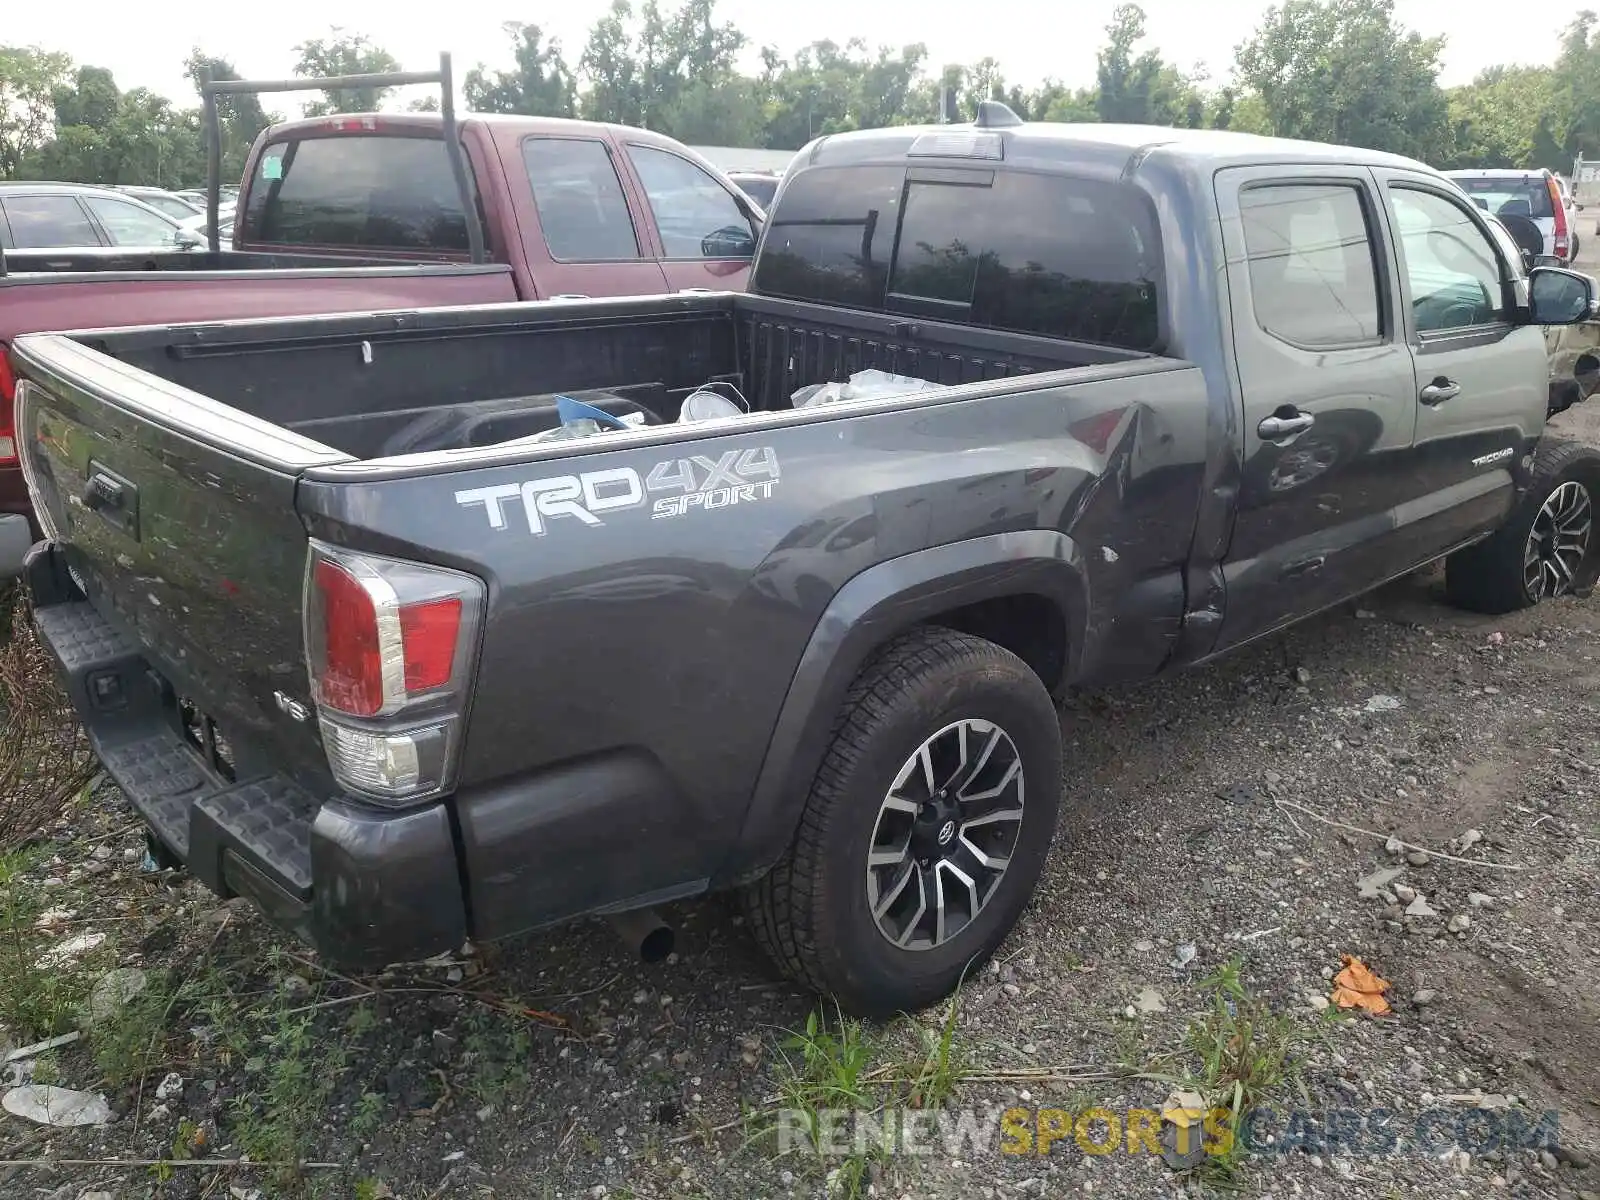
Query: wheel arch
970 585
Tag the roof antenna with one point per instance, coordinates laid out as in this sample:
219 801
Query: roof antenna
995 114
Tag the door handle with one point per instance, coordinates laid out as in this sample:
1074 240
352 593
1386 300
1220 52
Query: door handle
1440 390
569 296
1274 427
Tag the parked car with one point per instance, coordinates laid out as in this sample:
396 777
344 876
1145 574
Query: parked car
335 208
52 217
200 225
1533 195
357 643
174 205
760 186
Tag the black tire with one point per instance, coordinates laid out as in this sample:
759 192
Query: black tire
1492 576
811 912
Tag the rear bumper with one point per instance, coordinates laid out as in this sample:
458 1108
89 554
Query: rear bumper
365 888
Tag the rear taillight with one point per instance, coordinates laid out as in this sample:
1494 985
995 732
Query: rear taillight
8 411
1563 238
389 645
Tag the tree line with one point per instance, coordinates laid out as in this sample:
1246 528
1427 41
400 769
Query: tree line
1341 71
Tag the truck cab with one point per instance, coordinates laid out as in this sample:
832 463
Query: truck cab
577 208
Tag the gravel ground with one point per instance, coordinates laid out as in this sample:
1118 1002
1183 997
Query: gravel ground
1196 814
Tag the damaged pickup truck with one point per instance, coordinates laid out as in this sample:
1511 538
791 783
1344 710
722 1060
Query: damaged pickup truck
415 627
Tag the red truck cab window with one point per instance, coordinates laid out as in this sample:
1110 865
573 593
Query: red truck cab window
374 191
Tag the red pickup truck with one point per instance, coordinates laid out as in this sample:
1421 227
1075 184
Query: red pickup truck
363 212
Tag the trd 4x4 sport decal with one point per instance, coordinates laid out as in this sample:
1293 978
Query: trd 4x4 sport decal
674 487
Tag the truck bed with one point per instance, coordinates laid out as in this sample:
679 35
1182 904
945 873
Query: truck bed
374 386
649 593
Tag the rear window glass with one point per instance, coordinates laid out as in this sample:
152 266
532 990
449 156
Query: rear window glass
1508 197
364 190
831 239
1043 254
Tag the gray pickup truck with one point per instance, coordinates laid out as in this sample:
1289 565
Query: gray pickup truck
418 626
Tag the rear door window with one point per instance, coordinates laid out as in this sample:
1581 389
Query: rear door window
1313 267
49 222
374 190
583 211
1051 255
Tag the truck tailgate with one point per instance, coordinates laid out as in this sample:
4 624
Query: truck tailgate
189 551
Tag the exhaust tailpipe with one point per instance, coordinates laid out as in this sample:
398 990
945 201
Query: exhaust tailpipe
645 933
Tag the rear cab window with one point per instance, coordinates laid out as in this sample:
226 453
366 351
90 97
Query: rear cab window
373 190
1509 196
1053 255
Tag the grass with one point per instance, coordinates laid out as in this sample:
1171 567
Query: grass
838 1064
1247 1054
497 1051
35 1002
45 763
823 1068
943 1064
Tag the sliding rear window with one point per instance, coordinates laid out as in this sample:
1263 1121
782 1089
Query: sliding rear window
1044 254
379 191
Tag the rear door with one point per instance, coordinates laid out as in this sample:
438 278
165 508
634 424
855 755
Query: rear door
1481 377
587 236
707 235
1329 402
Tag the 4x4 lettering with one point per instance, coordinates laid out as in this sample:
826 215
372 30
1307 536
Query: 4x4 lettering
760 461
722 473
673 474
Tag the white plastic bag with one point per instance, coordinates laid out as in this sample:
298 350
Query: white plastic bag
871 382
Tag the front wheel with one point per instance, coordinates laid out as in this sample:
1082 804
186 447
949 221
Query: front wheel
1546 549
925 830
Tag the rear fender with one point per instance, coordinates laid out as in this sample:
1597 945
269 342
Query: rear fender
870 610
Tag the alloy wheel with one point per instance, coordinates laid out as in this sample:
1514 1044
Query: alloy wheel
1558 543
945 833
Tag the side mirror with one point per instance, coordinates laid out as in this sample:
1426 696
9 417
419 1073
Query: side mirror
731 241
187 239
1561 297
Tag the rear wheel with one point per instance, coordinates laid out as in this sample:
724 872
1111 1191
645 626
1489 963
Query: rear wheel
925 830
1548 546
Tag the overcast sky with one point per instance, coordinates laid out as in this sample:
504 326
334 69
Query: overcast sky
145 46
